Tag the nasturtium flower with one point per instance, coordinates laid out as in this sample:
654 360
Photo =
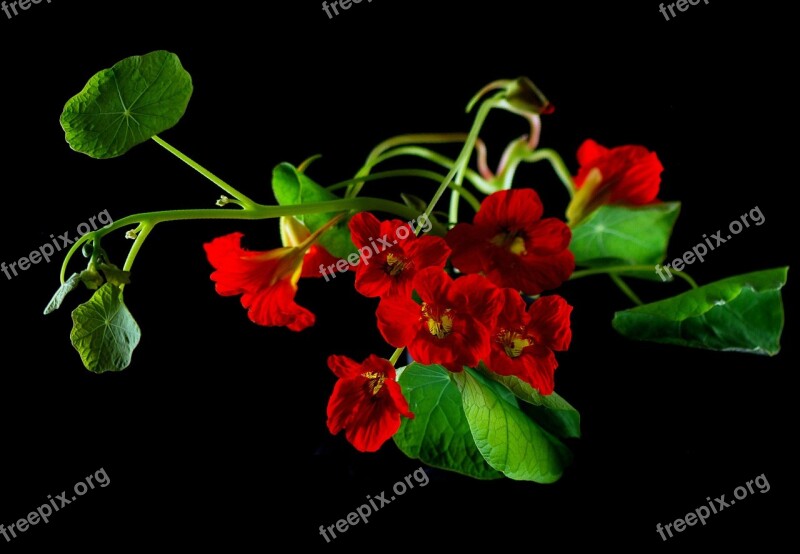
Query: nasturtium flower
628 175
366 401
450 326
267 280
391 254
524 341
512 245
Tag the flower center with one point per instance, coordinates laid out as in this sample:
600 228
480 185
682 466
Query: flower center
513 342
394 264
514 242
439 322
374 381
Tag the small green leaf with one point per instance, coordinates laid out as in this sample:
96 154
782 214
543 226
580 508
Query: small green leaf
620 235
103 331
127 104
439 434
742 314
508 439
550 411
67 287
291 188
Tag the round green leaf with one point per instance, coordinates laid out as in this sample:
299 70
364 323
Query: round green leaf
104 331
127 104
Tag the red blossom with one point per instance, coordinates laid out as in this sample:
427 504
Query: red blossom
366 401
452 325
510 243
524 342
628 175
266 280
396 255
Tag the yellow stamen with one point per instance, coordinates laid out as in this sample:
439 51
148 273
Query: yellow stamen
513 343
440 326
375 381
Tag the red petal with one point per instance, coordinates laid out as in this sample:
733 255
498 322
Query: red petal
469 245
373 424
315 257
364 227
396 394
536 366
432 284
479 297
344 367
589 152
549 322
346 396
398 320
372 280
548 236
427 251
275 306
510 209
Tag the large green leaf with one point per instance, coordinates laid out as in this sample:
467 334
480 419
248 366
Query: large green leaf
127 104
104 331
742 313
439 434
620 235
292 187
508 439
550 411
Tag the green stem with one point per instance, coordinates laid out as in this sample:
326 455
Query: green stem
396 355
421 173
612 269
466 152
623 286
137 244
246 202
148 220
622 269
443 161
558 166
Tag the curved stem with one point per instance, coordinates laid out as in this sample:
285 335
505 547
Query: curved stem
146 221
622 269
137 244
422 173
473 177
558 166
246 202
623 286
74 248
466 152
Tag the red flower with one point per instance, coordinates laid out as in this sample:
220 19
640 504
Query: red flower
398 255
510 243
267 280
366 401
524 342
623 175
452 325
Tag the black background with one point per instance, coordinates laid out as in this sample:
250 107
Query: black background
215 435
